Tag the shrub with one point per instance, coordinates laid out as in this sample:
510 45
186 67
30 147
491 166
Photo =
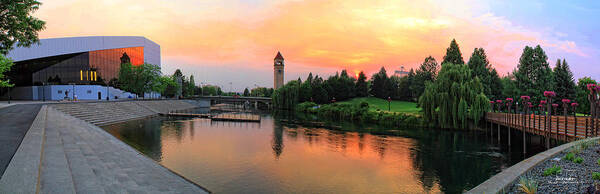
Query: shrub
578 160
596 175
570 156
598 161
552 171
528 185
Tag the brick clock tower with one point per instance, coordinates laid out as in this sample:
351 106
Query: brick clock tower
278 71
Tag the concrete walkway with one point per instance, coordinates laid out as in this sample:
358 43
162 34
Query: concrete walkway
503 180
15 120
64 154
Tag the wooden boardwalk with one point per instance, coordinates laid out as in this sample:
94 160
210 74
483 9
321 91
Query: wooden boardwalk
567 128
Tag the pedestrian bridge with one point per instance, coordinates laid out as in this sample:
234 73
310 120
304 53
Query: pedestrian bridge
235 100
563 128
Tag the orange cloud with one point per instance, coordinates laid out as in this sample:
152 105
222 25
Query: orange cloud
312 35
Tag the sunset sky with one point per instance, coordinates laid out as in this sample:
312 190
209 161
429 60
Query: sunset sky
223 41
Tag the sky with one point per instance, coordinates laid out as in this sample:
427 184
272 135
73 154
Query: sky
232 43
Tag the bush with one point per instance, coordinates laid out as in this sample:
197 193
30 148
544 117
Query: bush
552 171
570 156
528 185
578 160
598 161
596 175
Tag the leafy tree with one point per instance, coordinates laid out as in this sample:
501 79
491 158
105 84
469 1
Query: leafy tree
139 79
246 92
167 87
564 83
286 97
510 89
306 89
319 93
192 86
479 64
426 73
533 75
582 94
381 86
454 97
5 64
453 54
361 85
18 25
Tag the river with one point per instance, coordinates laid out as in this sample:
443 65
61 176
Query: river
277 156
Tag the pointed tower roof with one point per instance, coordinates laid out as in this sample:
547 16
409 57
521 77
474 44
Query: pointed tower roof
279 56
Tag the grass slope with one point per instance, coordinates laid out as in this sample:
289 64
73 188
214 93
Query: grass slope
377 103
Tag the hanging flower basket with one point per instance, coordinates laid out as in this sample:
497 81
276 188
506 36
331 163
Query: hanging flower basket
574 104
492 102
566 101
509 99
498 101
525 97
542 102
549 94
554 105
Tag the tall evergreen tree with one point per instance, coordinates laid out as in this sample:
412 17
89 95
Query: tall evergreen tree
380 84
533 75
246 92
453 54
564 83
480 66
361 85
582 94
426 73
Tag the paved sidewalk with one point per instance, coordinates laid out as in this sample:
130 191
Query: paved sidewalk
15 120
75 156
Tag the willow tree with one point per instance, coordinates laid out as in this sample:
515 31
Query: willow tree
286 97
454 97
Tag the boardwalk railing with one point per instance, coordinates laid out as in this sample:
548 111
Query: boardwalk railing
567 128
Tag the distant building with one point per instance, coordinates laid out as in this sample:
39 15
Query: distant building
278 71
79 60
60 68
401 73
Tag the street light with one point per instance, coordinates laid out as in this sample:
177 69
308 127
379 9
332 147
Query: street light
389 103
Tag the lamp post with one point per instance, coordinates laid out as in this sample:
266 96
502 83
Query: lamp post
389 104
549 95
43 92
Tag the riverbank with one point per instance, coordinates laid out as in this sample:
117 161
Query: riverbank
361 112
67 154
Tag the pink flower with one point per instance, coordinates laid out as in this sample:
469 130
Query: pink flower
566 101
529 103
498 101
492 102
525 97
574 104
591 87
542 102
509 99
549 93
540 106
530 106
554 105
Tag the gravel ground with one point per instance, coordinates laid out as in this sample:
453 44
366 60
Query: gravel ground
573 178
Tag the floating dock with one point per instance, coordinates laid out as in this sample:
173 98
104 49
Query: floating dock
219 117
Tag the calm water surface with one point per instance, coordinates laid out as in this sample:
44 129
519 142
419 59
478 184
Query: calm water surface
275 157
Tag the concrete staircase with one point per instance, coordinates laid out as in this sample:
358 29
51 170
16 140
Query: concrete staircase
105 113
64 154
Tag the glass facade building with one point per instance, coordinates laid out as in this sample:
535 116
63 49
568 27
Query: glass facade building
93 64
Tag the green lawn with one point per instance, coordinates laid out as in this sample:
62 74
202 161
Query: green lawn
377 103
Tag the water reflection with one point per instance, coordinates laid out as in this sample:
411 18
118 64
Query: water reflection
281 157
